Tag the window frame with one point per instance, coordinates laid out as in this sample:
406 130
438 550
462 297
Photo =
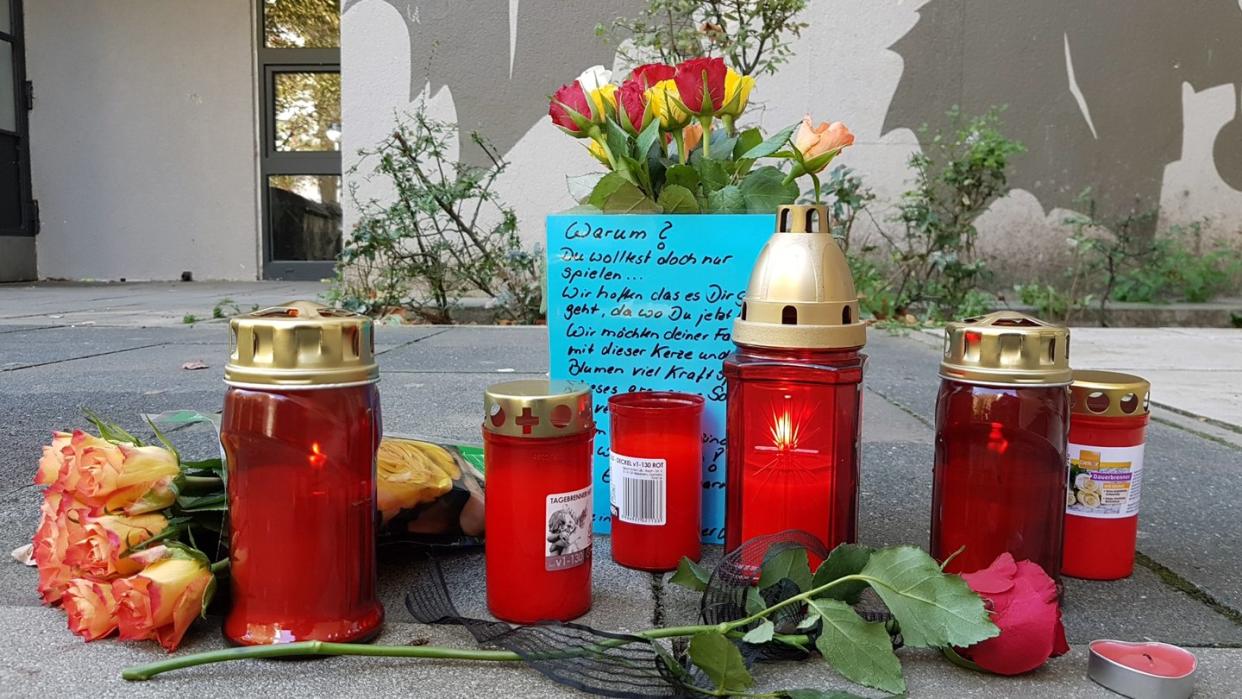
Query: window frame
273 162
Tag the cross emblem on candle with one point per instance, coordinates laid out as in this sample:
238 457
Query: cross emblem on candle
527 420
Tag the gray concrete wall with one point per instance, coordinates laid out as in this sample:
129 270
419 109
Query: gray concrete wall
17 258
1136 99
143 146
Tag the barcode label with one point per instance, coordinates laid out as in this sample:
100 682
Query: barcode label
638 489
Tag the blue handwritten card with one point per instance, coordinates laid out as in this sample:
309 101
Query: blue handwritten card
647 302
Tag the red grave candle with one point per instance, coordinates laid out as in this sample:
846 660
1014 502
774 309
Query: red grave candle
655 478
1108 422
794 390
1001 420
538 438
300 429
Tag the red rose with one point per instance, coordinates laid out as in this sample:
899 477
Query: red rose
632 110
701 84
570 109
652 73
1023 602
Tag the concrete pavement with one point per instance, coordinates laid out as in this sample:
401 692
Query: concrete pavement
1188 591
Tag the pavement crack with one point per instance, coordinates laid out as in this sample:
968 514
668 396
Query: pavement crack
657 597
410 342
1175 580
903 408
84 356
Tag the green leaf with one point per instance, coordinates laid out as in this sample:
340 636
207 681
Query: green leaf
213 465
110 431
727 200
203 503
846 559
618 140
676 199
761 633
773 143
164 440
934 609
605 187
858 649
790 563
682 176
721 661
754 601
818 694
746 140
691 575
629 199
713 174
208 593
647 138
765 189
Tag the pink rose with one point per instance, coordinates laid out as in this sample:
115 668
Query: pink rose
821 141
1023 602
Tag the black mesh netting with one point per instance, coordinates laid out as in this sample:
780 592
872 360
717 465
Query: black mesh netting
624 665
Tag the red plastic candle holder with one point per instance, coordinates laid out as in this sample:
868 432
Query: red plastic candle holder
655 478
794 390
300 429
538 438
1002 415
1108 424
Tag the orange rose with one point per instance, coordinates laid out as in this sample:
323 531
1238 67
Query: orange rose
61 524
54 457
162 601
117 476
91 607
819 144
692 135
99 552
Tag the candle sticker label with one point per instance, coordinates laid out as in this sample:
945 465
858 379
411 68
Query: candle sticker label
1104 482
639 489
568 530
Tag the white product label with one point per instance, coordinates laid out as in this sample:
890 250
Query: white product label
1104 482
639 489
568 531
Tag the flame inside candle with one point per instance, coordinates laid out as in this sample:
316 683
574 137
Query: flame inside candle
317 458
784 429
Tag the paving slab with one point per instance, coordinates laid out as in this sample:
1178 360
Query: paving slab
483 349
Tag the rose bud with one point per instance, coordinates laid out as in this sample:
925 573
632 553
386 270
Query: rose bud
91 608
634 111
701 85
54 457
820 144
667 106
570 110
162 601
100 551
1022 600
692 135
737 93
651 73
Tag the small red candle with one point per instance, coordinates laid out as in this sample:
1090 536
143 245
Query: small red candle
537 437
1001 421
300 429
795 389
655 478
1108 421
1147 670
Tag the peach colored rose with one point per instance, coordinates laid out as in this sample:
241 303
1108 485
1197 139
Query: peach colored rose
91 608
821 142
692 135
99 553
61 523
162 601
53 460
117 476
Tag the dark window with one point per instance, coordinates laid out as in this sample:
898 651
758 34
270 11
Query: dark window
17 210
299 61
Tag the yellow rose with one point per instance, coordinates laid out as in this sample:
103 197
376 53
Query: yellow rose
737 93
597 151
410 473
112 476
100 552
665 104
163 600
603 103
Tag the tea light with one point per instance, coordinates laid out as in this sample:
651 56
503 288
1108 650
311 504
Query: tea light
1147 670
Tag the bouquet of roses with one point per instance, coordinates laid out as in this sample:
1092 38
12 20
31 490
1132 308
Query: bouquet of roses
670 140
108 546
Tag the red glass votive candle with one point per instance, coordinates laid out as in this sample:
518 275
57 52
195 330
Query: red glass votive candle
655 478
1108 423
1001 421
538 438
795 390
300 429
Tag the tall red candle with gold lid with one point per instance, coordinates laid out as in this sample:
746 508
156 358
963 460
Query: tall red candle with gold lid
1002 415
794 389
300 429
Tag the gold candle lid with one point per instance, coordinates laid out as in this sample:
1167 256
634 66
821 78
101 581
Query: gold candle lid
538 408
301 345
1006 348
801 293
1109 394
